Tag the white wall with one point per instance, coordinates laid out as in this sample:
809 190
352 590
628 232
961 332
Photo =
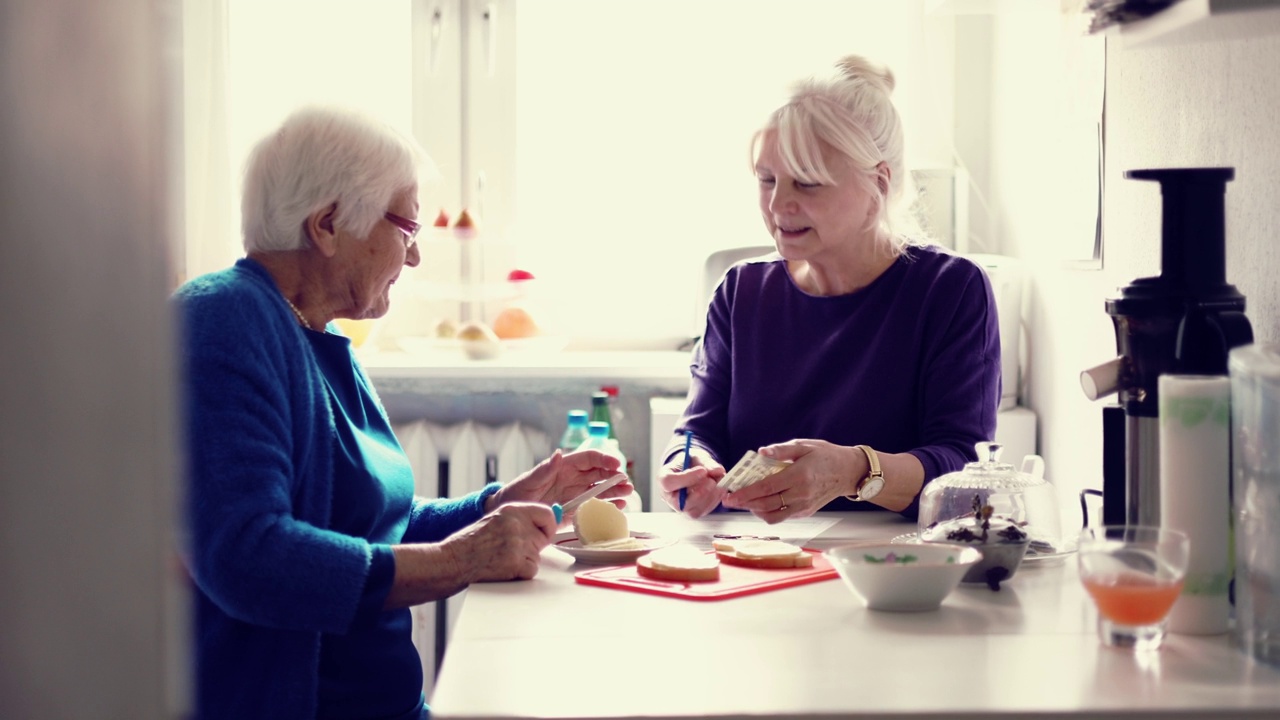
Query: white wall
91 621
1181 106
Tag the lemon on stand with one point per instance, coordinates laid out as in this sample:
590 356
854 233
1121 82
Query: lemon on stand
357 330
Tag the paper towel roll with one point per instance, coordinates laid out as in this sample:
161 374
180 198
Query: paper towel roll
1195 480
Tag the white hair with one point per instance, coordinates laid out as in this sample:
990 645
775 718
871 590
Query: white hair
320 156
851 111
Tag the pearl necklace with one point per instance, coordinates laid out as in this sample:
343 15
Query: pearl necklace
298 313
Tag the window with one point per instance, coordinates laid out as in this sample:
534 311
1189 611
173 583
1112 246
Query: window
632 133
604 145
248 64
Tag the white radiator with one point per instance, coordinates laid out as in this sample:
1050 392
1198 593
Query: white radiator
451 461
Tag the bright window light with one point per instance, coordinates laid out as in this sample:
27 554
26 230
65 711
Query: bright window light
631 118
280 55
633 127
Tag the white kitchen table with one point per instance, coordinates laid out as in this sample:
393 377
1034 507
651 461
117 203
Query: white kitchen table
553 648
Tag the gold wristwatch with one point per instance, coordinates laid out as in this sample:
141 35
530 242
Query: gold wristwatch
871 485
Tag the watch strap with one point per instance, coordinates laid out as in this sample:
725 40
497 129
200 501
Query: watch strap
874 471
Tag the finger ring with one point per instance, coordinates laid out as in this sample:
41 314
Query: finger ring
784 501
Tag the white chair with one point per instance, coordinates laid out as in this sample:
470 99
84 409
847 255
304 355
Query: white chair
713 271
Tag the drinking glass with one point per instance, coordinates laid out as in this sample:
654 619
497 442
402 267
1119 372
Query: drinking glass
1134 574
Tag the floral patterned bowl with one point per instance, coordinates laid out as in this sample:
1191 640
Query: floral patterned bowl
902 578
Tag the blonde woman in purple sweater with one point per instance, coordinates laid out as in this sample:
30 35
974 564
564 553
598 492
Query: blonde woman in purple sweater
863 355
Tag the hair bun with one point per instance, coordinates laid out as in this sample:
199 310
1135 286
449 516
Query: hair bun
856 67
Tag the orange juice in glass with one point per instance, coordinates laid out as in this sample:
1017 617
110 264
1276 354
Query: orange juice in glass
1134 574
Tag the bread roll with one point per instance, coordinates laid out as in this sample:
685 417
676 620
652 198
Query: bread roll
478 341
597 521
475 331
679 563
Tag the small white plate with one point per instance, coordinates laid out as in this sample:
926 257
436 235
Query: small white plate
569 543
1031 557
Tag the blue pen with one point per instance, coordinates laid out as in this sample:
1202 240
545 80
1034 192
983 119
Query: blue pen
688 444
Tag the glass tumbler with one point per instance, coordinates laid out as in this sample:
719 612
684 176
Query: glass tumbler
1255 451
1134 573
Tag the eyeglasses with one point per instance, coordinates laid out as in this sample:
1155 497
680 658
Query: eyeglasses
406 226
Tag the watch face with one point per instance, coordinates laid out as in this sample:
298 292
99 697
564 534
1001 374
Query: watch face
871 488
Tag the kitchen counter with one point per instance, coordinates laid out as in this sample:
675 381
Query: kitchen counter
550 647
651 371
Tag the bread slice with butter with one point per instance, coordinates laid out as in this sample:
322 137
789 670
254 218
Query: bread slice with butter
762 554
679 563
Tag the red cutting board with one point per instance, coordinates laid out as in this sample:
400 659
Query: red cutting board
735 581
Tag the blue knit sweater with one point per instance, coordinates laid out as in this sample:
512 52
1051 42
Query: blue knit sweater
270 576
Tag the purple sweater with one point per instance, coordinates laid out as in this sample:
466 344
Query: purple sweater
911 363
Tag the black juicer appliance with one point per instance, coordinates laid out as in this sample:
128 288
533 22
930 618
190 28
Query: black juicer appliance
1184 321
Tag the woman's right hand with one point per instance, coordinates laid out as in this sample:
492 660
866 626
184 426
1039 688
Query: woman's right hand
505 544
699 480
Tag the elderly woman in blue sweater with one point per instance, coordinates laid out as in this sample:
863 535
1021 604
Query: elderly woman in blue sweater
305 542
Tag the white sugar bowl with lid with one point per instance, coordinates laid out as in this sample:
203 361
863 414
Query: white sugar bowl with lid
1022 498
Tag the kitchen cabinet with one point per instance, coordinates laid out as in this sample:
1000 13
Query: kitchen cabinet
1192 21
1185 21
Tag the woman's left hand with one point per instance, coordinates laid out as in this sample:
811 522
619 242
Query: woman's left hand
818 472
562 477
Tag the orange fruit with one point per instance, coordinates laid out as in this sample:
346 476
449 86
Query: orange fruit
514 322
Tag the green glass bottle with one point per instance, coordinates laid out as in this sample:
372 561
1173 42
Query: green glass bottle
598 439
600 411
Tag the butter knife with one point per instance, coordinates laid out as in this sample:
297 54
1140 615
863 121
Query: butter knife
594 490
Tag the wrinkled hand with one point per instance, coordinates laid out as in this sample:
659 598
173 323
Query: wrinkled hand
562 477
503 545
816 475
700 480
